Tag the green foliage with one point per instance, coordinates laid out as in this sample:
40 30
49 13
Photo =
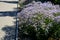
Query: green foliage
21 5
54 31
57 1
57 14
47 20
38 31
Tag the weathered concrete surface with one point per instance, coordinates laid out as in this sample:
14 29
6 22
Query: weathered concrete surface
7 6
8 0
7 23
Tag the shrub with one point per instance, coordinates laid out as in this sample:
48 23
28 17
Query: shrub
55 1
39 21
25 2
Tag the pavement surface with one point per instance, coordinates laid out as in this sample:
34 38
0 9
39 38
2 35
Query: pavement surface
8 0
8 12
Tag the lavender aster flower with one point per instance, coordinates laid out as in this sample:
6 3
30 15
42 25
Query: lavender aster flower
40 18
32 9
57 19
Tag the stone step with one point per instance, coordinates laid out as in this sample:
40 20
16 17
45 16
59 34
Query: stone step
7 6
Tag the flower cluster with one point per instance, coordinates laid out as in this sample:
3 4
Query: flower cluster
39 18
48 9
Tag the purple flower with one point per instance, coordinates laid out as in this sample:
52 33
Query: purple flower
31 9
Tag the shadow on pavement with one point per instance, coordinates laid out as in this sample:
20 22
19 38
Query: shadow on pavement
10 32
14 2
8 13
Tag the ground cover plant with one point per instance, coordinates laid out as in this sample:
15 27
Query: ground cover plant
39 21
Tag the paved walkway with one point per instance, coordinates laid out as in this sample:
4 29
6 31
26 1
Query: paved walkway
7 20
8 0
